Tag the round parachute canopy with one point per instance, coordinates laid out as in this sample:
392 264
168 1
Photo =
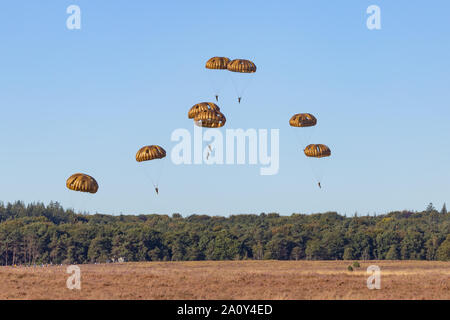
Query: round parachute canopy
150 153
240 65
219 63
202 106
303 120
82 182
210 119
317 151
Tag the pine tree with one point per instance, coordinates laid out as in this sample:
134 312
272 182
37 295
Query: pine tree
430 208
444 209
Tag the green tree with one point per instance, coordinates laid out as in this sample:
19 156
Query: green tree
222 247
392 254
258 251
297 253
333 244
36 233
430 208
412 246
348 253
277 248
444 209
178 249
431 247
443 253
314 250
99 250
58 247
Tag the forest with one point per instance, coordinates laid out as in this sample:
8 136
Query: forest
49 234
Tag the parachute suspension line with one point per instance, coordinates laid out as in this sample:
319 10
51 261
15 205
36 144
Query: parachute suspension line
304 135
160 170
317 176
246 83
300 139
214 84
317 166
311 131
243 84
235 87
149 176
152 152
216 67
154 174
302 144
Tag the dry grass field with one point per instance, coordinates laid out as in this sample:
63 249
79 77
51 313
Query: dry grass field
230 280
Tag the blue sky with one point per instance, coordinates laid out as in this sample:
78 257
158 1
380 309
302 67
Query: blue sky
86 100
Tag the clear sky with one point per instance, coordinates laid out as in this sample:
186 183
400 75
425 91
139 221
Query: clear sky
86 100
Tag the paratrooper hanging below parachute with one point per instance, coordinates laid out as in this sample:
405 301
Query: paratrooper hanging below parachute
317 151
148 153
241 66
217 63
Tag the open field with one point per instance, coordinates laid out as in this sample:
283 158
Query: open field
230 280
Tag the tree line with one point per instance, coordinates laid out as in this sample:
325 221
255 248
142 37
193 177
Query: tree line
35 234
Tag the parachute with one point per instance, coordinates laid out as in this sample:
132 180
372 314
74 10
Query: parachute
217 63
241 67
207 115
210 119
307 122
303 120
314 152
317 151
149 153
218 77
202 106
82 183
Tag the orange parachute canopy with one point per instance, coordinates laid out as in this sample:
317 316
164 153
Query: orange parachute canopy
202 106
210 119
82 182
317 151
150 153
241 65
303 120
218 63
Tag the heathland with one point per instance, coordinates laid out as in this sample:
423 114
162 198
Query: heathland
266 279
